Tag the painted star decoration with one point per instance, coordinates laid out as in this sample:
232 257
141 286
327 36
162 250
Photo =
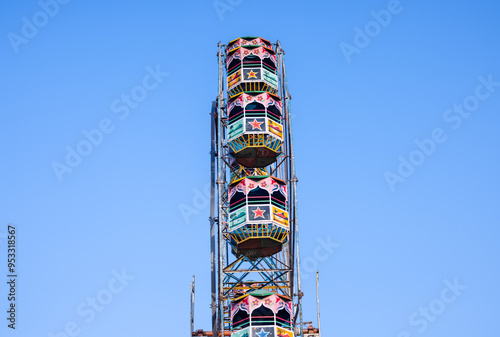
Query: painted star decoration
252 74
259 213
262 333
256 125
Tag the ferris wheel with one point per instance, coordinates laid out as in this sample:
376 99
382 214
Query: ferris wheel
256 288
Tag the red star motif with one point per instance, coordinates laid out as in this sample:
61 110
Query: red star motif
256 125
251 74
259 213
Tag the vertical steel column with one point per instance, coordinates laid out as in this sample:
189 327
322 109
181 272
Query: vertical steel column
220 184
212 218
293 180
289 250
192 307
317 300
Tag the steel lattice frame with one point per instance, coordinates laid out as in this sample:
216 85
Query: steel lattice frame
279 273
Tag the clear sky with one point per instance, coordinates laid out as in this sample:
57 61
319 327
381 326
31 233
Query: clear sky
105 143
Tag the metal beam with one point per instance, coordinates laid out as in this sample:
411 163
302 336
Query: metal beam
192 307
212 219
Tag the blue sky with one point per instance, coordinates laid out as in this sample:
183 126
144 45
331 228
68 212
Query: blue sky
395 111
